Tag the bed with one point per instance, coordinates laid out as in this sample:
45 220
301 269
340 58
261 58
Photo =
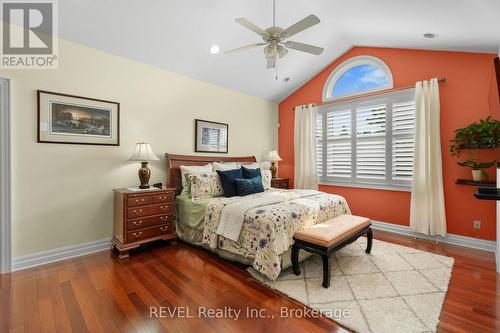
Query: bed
266 227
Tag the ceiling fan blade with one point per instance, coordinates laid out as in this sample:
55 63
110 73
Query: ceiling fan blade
302 25
304 47
244 48
249 25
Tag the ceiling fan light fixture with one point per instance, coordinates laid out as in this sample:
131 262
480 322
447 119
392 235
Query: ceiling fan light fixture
282 51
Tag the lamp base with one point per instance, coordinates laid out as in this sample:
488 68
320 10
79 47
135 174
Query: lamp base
273 170
144 175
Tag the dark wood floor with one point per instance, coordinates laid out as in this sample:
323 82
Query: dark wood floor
99 293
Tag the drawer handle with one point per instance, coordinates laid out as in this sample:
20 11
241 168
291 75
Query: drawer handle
137 211
164 229
137 234
137 222
164 218
163 198
163 207
137 200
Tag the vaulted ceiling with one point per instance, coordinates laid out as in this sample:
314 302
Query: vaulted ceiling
176 34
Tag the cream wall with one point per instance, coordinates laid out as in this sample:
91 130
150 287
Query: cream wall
62 193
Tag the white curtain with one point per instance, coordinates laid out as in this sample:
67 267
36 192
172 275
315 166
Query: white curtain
427 214
306 174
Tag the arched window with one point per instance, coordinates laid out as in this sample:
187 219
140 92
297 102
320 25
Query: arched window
358 75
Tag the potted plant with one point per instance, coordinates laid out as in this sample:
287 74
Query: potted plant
478 169
482 134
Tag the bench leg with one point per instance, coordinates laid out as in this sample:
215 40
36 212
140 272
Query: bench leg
326 270
369 236
295 260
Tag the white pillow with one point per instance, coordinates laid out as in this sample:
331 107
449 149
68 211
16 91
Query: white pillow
225 166
253 165
266 178
265 165
189 169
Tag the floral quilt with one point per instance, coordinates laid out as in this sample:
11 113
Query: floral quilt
267 231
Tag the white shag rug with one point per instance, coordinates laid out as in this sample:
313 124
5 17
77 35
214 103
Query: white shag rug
393 289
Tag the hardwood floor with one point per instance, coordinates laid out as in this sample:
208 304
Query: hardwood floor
99 293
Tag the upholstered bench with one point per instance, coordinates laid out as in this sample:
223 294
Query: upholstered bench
328 237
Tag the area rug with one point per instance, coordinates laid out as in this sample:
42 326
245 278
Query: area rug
393 289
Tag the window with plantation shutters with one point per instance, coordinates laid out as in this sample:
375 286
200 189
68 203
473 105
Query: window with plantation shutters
368 141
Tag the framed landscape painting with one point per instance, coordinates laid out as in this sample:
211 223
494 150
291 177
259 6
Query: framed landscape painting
211 137
77 120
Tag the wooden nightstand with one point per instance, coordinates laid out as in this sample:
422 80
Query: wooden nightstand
142 217
280 182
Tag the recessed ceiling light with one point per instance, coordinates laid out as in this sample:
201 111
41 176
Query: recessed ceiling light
431 35
214 49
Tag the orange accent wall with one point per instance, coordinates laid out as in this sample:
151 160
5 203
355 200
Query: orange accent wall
466 97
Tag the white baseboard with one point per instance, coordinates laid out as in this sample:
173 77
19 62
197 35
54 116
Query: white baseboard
62 253
45 257
474 243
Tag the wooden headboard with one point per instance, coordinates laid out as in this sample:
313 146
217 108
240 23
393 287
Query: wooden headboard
175 161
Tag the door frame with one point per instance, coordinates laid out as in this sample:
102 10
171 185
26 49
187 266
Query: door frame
5 178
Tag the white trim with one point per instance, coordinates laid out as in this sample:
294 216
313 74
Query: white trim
474 243
347 65
400 188
63 253
5 179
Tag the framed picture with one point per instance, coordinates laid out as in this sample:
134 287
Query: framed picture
210 137
77 120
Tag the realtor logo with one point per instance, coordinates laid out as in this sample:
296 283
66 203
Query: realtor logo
29 38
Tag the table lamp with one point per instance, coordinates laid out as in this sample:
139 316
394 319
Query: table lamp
143 154
273 157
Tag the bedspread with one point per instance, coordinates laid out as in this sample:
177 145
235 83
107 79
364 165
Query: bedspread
267 231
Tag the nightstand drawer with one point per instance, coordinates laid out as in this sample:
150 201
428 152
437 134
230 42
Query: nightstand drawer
139 201
141 234
136 212
164 197
149 221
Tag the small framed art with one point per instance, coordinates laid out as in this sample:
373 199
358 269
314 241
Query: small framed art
211 137
73 119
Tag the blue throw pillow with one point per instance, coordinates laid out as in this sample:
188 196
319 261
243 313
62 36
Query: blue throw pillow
250 173
227 179
249 186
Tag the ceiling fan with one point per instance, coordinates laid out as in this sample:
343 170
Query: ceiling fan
274 38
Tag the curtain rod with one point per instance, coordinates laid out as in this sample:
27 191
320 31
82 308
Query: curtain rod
440 80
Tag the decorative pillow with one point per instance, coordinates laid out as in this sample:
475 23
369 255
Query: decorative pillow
250 173
227 179
249 186
190 169
266 178
225 166
205 185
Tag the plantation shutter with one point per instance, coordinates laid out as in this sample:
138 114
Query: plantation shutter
367 141
403 132
338 146
371 142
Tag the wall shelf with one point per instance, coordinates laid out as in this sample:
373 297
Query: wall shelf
488 196
483 183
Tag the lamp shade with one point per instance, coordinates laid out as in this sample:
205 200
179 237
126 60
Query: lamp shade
143 153
273 156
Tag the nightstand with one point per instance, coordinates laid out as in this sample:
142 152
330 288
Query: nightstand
141 217
280 182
